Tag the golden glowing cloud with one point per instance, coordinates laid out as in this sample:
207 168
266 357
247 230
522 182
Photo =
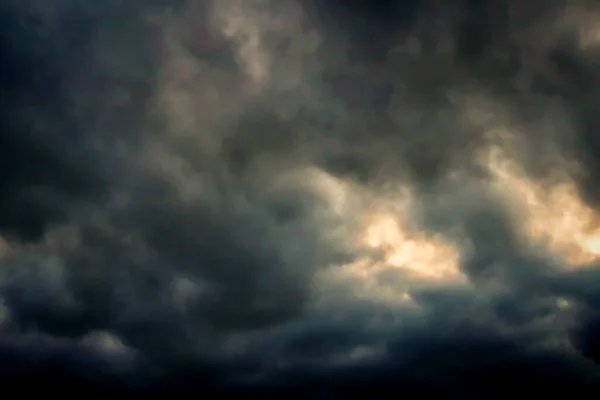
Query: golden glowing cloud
379 226
553 213
426 256
550 216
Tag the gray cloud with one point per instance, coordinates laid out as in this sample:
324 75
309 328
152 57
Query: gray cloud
182 186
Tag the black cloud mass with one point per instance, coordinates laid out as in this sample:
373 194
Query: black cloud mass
300 198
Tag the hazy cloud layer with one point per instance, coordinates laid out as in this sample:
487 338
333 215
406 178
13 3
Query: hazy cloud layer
265 195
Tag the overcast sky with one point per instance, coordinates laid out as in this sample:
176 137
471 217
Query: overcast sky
300 197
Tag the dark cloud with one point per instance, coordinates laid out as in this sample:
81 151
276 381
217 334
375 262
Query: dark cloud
173 215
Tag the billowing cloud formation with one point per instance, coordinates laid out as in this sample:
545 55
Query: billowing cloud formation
260 195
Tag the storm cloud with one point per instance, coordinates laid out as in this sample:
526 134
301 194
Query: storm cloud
300 197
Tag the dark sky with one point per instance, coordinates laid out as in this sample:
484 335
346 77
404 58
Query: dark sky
191 194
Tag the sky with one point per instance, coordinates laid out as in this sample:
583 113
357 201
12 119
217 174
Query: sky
299 197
